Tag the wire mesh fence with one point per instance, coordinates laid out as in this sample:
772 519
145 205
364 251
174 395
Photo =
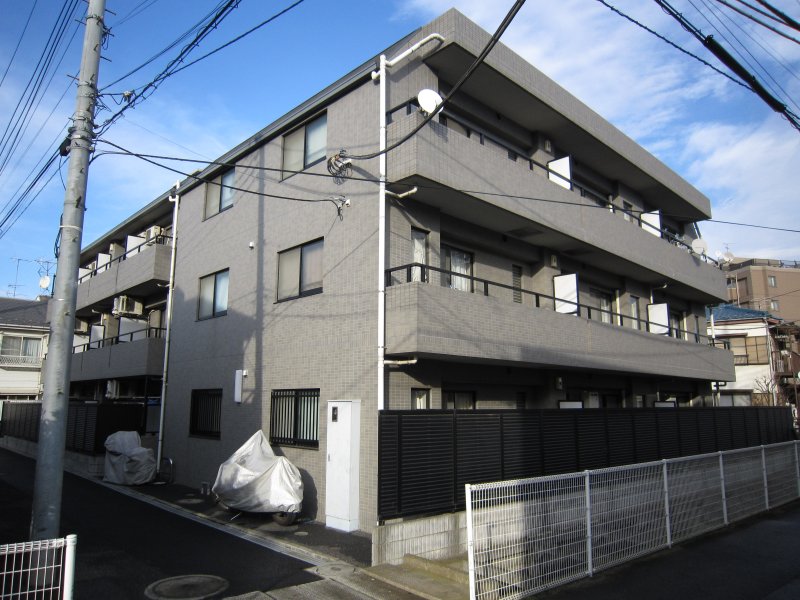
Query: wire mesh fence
528 535
41 570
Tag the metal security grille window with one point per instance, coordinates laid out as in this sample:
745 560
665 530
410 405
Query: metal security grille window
206 410
305 146
219 194
516 282
213 295
294 418
20 351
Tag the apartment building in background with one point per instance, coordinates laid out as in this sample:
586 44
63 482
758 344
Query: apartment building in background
765 284
23 343
528 262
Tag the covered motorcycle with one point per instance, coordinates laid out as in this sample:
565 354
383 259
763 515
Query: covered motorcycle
253 479
126 461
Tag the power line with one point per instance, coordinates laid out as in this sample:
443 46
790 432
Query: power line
152 159
467 74
19 41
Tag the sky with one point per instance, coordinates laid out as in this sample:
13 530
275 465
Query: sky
717 135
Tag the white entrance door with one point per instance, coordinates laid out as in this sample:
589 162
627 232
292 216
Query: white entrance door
341 475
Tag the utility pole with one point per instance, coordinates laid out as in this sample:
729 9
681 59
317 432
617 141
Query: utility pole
46 513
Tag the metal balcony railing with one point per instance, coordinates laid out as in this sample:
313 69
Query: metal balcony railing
131 336
417 272
20 361
161 240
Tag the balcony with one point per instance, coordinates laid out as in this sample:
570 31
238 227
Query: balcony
20 362
510 194
487 325
132 354
137 272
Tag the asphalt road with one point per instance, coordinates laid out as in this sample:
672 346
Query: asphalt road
124 544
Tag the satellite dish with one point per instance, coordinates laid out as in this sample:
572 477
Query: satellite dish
44 282
728 257
428 100
699 247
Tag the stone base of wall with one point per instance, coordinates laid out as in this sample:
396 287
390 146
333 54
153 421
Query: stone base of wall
435 538
80 464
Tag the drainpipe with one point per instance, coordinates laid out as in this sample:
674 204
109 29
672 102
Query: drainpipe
176 199
773 384
380 75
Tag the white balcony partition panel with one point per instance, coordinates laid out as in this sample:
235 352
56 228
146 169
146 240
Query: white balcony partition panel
651 222
658 316
560 172
565 291
133 242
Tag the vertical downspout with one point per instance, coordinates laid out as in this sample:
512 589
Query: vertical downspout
165 373
381 230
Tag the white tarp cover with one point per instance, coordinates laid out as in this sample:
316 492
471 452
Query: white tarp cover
253 479
126 461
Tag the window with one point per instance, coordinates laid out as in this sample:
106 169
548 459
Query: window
627 210
772 281
420 398
457 261
419 241
305 146
219 194
774 305
459 400
19 350
634 312
601 300
676 325
213 295
300 271
206 409
749 350
294 418
516 282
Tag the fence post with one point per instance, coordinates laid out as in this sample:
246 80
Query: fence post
667 523
588 499
797 466
470 540
69 566
722 486
764 473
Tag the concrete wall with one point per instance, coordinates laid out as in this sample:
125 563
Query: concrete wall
128 359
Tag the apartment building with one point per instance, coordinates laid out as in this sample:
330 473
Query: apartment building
23 343
522 257
765 284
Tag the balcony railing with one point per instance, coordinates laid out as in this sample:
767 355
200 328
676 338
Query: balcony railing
131 336
418 272
162 240
20 361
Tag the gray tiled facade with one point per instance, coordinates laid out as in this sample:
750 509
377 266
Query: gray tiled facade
480 189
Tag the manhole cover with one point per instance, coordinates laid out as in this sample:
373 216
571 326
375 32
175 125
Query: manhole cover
334 569
186 587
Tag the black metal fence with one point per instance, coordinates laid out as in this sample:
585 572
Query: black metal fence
426 456
88 425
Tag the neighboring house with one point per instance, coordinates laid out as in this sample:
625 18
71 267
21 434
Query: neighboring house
23 343
765 354
533 259
765 284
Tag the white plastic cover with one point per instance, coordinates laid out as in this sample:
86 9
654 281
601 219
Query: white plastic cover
126 461
253 479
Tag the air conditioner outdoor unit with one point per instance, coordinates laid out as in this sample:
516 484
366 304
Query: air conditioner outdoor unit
151 233
81 326
125 305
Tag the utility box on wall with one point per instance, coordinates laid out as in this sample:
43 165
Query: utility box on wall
342 470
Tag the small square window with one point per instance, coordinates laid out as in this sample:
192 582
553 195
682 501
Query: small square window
420 398
774 305
772 281
300 270
213 301
305 146
205 415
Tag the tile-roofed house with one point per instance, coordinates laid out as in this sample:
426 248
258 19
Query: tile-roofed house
23 342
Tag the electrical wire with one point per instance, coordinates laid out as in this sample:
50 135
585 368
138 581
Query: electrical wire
135 12
153 158
467 74
19 41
